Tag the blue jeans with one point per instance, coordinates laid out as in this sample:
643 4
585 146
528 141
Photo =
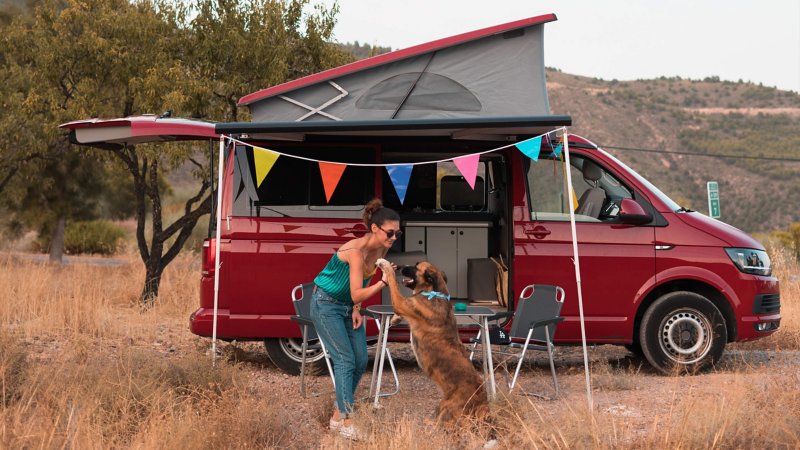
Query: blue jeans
348 347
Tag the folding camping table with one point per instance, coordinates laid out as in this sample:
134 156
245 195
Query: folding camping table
479 314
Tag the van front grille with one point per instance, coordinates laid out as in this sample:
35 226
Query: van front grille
767 304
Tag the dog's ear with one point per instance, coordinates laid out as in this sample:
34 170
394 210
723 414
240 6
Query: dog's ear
432 279
444 276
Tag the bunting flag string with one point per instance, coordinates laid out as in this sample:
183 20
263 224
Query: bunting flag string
523 143
400 175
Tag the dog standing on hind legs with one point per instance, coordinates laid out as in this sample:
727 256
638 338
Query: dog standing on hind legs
436 344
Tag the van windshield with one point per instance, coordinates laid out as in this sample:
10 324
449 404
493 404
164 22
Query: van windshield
664 198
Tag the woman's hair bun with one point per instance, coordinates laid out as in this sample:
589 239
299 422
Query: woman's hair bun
385 214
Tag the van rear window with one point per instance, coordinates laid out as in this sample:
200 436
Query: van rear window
298 183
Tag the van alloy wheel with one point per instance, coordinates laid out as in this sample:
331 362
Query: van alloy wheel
287 353
683 332
685 336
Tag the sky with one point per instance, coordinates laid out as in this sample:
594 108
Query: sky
609 39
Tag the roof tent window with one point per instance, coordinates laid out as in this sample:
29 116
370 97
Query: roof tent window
433 92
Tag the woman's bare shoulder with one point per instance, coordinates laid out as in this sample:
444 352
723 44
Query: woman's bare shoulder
350 252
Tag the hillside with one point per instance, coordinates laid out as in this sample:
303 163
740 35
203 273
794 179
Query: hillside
709 116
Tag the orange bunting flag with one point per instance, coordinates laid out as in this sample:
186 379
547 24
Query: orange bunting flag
331 173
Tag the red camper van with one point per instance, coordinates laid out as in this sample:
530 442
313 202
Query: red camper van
651 269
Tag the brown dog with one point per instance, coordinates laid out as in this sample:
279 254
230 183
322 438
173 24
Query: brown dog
436 344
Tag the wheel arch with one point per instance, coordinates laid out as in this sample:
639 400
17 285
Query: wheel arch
699 287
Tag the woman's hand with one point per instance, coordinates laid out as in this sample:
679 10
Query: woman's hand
385 277
357 319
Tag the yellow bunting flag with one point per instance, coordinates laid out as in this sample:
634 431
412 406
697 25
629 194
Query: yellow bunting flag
331 173
264 160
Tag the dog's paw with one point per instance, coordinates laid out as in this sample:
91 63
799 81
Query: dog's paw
396 320
385 265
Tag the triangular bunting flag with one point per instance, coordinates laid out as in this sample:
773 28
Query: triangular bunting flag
468 165
264 160
331 173
557 151
530 148
400 176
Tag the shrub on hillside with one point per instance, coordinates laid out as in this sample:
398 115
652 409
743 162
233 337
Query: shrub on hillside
98 236
790 239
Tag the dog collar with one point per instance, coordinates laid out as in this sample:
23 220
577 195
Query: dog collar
432 294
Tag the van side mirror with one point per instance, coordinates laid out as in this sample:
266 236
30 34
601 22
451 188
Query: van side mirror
632 212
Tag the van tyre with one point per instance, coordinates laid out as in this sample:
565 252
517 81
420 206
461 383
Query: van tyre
286 353
683 332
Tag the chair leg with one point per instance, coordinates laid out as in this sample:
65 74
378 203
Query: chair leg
475 344
327 361
303 363
550 356
521 359
394 372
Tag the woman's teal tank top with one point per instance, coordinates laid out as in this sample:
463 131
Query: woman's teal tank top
335 278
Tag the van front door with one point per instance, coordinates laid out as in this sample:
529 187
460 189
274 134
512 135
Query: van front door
617 260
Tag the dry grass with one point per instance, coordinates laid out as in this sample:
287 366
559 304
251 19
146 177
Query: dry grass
90 300
81 394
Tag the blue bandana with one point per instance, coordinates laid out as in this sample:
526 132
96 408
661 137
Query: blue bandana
432 294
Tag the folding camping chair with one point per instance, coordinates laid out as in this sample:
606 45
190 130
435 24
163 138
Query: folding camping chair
533 318
302 307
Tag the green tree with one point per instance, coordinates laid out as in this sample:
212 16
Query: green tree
111 58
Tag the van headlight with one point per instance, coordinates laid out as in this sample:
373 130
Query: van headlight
750 261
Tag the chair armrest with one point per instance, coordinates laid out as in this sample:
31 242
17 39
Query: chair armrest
302 320
500 316
543 323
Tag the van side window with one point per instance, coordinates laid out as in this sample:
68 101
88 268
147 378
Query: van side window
294 188
596 190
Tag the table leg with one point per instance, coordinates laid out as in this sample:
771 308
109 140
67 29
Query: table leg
382 348
488 356
378 351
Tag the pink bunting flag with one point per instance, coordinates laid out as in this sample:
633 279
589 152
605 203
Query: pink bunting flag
468 165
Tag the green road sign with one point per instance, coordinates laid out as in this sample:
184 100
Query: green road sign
713 199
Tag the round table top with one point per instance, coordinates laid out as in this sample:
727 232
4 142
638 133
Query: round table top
470 311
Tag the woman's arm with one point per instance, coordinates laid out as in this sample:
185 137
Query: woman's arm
357 292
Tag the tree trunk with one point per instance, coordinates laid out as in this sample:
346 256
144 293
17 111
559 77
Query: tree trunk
57 242
154 257
152 281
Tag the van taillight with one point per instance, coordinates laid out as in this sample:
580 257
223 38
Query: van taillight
209 257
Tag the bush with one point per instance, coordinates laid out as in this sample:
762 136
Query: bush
98 236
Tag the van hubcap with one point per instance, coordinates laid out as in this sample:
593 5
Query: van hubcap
293 348
685 336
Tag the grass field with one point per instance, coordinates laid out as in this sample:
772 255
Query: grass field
82 367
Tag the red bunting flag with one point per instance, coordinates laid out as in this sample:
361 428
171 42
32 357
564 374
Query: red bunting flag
331 173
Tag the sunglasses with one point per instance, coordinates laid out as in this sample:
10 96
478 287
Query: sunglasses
391 233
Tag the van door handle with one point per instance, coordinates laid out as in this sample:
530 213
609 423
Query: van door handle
537 232
355 230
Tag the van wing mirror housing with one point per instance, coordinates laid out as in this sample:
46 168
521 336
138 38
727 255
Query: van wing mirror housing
632 212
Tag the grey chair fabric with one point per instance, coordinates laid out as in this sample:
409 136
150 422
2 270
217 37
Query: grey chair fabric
311 341
480 283
535 319
401 259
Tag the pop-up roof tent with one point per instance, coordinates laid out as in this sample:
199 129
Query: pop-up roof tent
486 85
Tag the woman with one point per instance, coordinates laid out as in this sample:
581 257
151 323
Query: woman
339 290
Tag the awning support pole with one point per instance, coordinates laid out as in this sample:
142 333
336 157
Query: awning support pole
216 259
577 269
